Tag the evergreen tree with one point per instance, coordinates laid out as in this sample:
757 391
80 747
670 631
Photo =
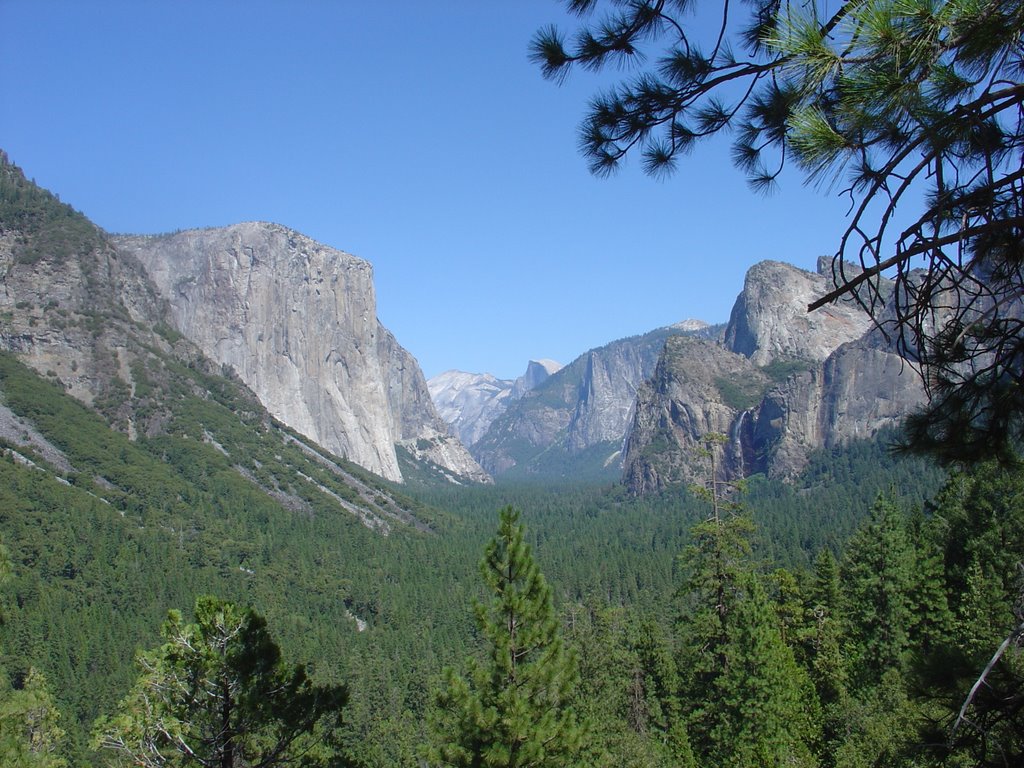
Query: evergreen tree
513 709
746 701
218 695
762 712
932 621
714 564
30 732
978 673
823 650
879 727
877 579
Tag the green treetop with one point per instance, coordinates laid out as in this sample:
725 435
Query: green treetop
218 695
513 708
744 698
30 732
878 579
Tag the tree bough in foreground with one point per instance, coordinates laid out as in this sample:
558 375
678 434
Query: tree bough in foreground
909 104
218 695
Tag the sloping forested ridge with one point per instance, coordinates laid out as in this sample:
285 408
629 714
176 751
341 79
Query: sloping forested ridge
839 621
95 568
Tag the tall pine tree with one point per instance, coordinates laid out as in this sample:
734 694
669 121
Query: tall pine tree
763 701
513 708
878 579
745 700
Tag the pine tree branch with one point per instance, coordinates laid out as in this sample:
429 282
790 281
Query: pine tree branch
922 247
962 716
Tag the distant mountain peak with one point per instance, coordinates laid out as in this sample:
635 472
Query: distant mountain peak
470 402
690 326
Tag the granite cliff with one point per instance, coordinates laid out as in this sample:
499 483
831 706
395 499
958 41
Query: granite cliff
572 424
74 308
82 314
770 321
782 384
296 321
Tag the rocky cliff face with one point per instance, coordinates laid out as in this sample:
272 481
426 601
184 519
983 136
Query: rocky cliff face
858 390
71 306
782 385
297 322
770 321
537 372
689 396
86 316
420 429
583 407
470 402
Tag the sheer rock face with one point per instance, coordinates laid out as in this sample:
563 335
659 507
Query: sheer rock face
607 393
587 403
81 318
860 389
770 321
680 404
296 320
843 382
537 372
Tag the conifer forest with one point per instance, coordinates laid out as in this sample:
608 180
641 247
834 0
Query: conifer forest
188 582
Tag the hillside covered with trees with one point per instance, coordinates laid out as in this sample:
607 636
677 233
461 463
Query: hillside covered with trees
185 581
852 618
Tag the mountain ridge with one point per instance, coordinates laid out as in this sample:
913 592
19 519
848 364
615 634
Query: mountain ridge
796 382
470 402
297 321
88 314
778 381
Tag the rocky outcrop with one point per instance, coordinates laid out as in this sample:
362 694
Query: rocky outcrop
296 320
861 388
537 372
71 306
470 402
770 321
782 385
688 397
607 393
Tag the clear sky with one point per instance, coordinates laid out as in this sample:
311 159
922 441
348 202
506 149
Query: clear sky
413 134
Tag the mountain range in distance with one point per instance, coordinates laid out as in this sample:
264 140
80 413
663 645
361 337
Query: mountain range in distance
777 381
294 322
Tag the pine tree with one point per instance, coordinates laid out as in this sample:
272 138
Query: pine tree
823 645
218 695
761 697
746 701
979 670
713 565
30 732
877 579
513 708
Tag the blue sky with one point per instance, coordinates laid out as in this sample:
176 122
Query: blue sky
415 135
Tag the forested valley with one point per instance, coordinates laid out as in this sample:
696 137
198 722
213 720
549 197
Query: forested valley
185 581
841 620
